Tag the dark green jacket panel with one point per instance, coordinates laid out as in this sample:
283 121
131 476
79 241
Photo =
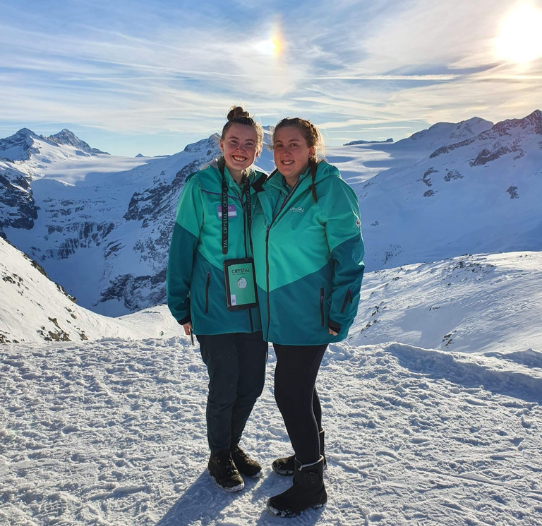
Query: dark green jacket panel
181 255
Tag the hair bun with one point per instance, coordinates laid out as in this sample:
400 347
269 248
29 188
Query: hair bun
237 112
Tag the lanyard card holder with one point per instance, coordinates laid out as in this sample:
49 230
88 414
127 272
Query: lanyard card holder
240 284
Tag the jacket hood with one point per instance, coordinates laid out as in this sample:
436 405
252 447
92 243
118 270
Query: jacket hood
323 171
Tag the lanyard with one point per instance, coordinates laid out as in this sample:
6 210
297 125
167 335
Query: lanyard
225 221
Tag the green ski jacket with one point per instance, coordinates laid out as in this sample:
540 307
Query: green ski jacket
195 283
309 257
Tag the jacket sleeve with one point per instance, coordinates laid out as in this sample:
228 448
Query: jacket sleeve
182 251
343 231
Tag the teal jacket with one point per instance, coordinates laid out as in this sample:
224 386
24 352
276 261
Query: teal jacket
195 283
309 258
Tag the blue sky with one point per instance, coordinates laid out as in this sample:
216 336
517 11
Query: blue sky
153 76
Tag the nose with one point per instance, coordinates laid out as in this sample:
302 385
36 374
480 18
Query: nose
286 151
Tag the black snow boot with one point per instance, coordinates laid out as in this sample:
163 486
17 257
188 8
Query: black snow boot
308 491
285 466
224 472
246 465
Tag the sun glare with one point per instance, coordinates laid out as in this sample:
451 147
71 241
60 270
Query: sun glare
520 39
269 47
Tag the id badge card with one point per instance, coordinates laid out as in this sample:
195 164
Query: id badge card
240 284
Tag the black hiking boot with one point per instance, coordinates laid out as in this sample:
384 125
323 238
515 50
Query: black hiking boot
308 491
244 463
224 472
286 465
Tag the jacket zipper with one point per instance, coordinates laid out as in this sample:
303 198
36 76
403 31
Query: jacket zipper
288 197
207 292
267 279
322 307
347 296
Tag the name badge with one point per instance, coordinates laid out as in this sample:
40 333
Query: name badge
240 284
232 212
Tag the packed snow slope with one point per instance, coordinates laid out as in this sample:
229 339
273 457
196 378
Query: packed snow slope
476 304
100 225
113 433
34 309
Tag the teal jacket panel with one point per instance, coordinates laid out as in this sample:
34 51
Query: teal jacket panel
309 258
195 283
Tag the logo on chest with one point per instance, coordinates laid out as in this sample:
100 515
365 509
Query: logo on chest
297 210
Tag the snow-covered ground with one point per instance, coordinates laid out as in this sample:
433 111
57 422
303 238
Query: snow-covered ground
473 303
113 433
34 309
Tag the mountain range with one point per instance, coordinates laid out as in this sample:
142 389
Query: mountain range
100 224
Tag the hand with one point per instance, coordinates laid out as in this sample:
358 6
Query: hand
333 333
188 328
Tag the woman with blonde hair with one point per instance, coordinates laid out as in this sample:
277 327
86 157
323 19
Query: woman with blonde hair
309 252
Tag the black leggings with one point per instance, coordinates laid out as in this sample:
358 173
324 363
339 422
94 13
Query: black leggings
297 399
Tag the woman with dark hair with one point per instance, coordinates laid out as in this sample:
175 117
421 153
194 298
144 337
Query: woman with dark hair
211 292
309 260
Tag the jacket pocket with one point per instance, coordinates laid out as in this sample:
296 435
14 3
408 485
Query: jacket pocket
347 296
322 307
207 283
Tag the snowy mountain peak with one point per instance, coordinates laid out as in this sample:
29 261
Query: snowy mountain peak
446 133
532 124
204 145
511 136
68 138
19 146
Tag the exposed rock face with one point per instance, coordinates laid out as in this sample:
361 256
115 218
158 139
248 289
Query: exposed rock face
513 191
451 147
16 200
132 290
451 175
155 209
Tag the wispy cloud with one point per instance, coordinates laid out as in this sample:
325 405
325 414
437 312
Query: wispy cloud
167 67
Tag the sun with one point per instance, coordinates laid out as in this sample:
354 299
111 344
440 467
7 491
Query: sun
271 46
520 38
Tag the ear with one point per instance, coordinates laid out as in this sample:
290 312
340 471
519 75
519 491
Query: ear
312 152
222 145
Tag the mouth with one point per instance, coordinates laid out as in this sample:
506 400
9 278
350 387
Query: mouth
239 159
287 163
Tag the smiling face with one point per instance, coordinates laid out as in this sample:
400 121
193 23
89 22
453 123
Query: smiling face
292 153
239 147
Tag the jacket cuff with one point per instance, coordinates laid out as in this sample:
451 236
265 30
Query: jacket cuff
335 327
184 320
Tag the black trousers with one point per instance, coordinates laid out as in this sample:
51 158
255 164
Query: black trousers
297 399
236 367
